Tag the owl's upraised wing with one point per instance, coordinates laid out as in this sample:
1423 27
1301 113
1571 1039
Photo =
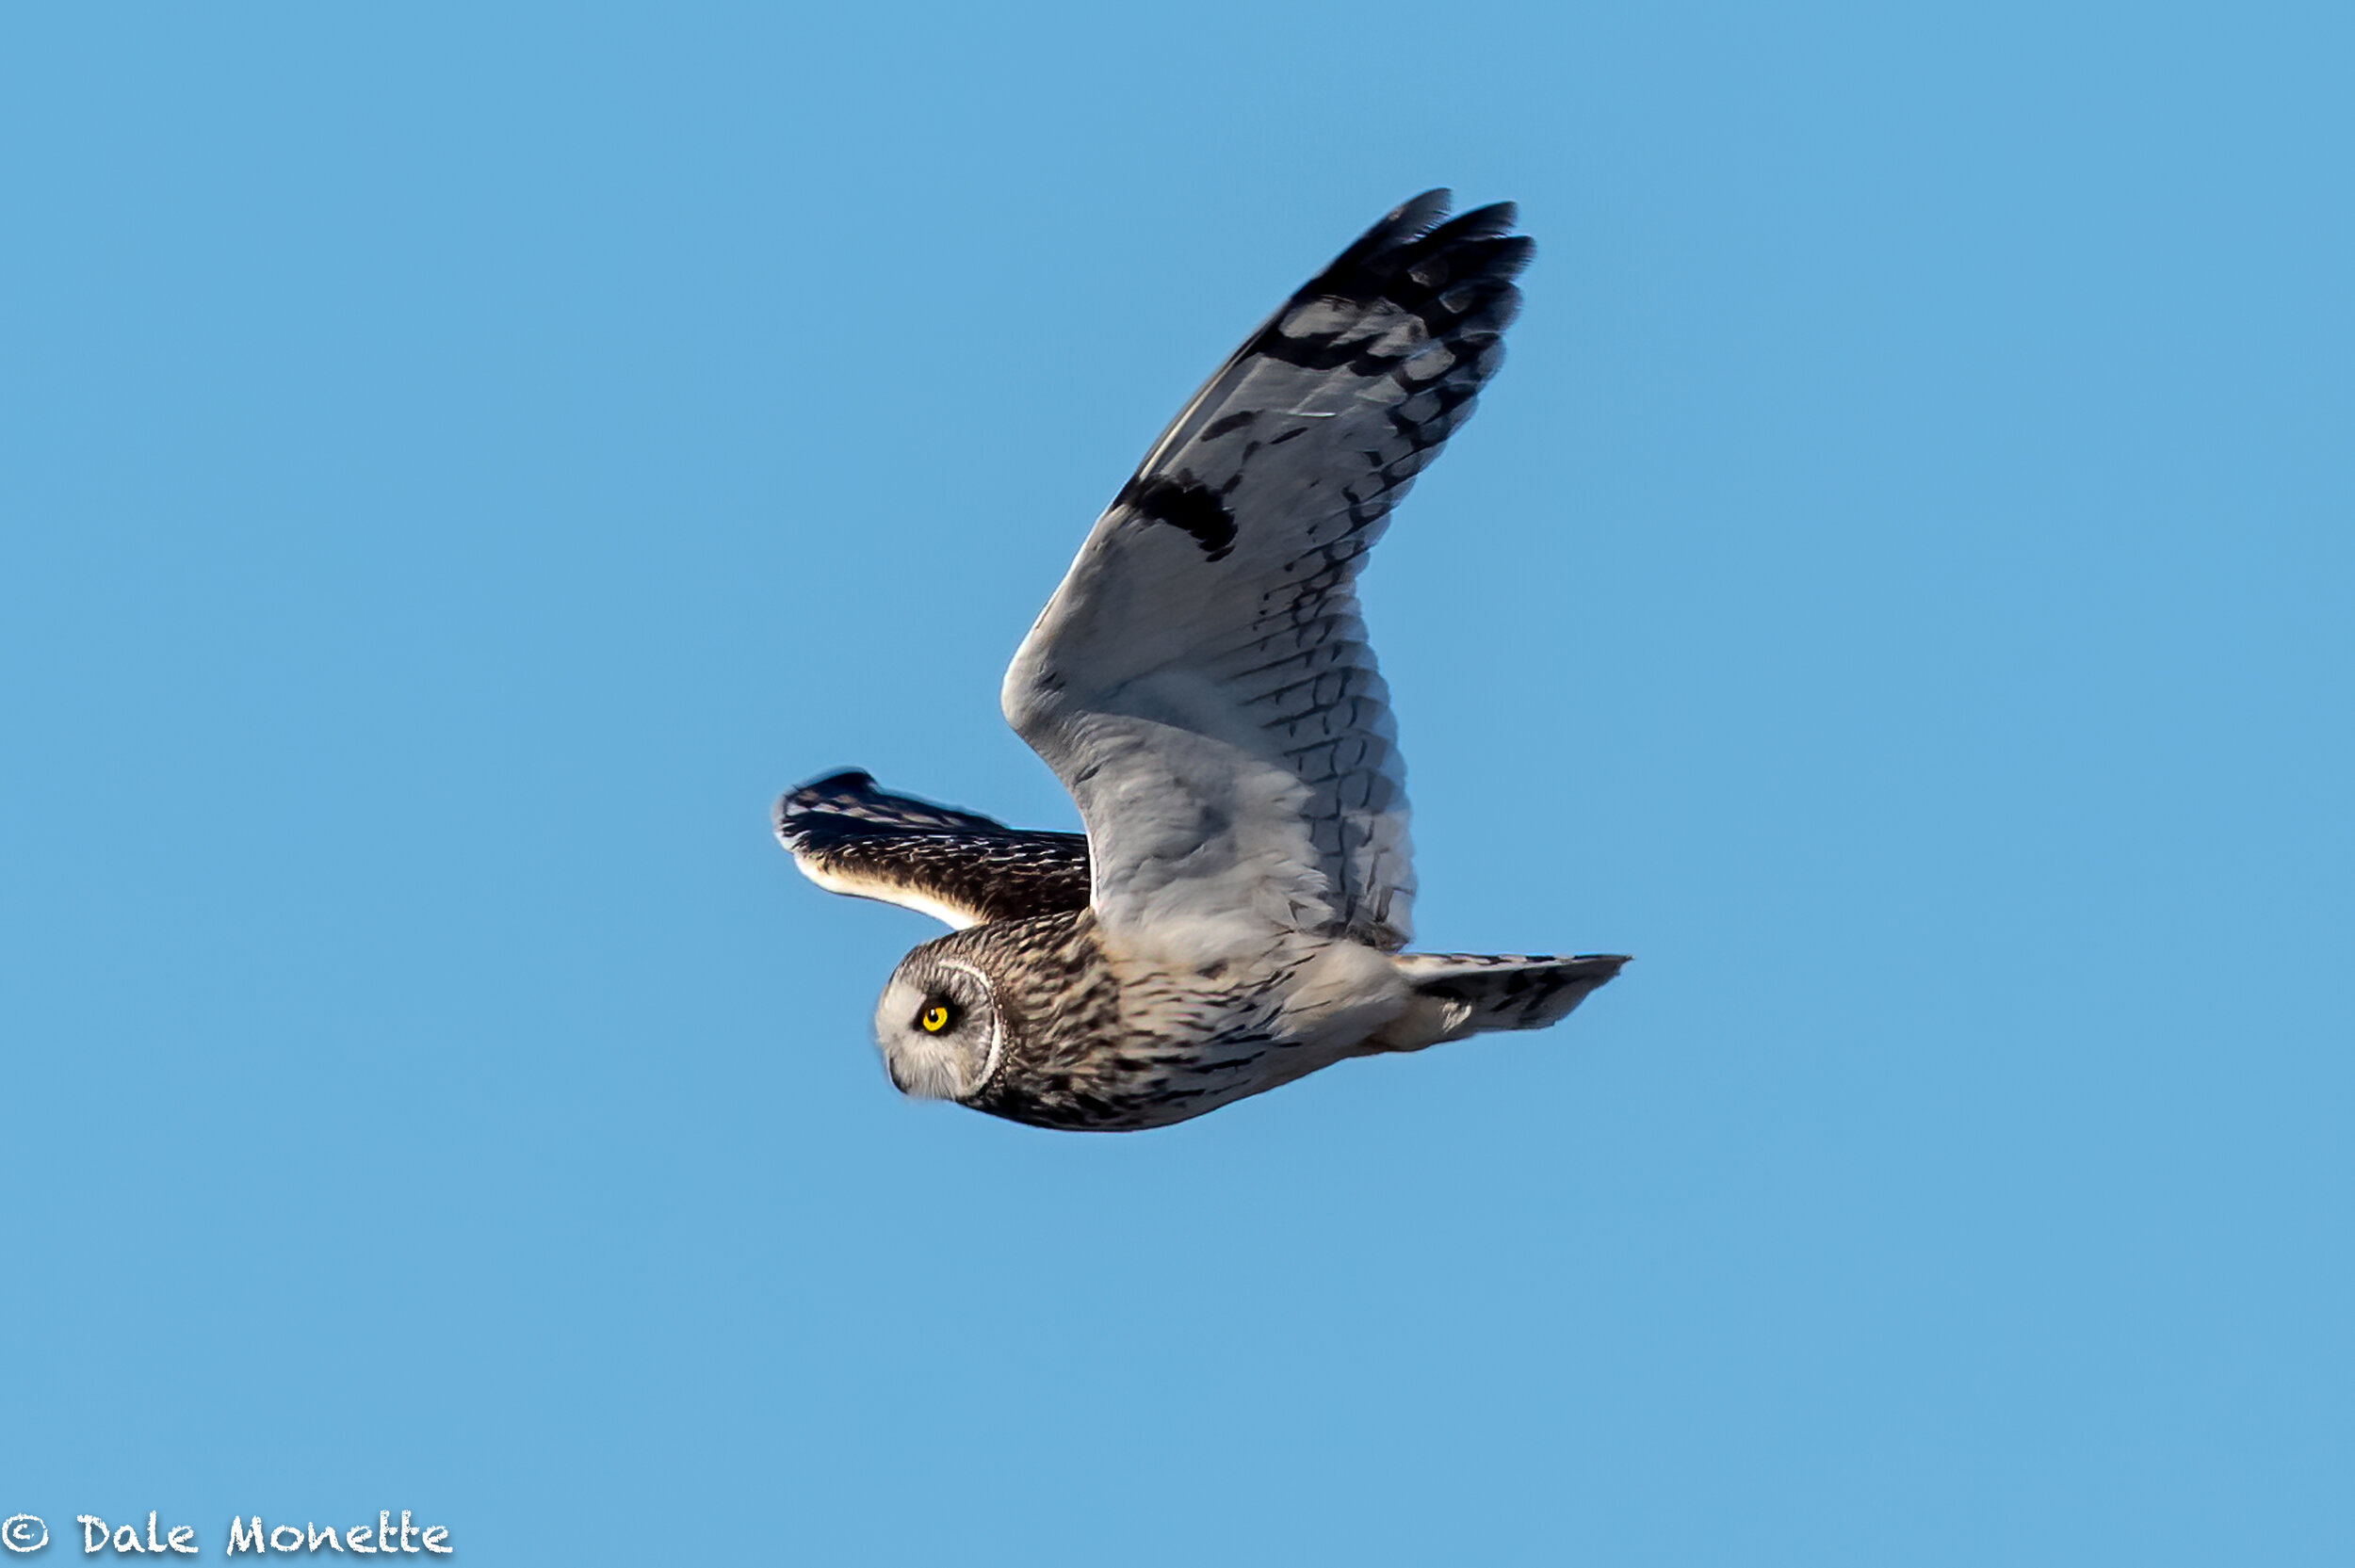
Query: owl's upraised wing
1201 681
849 836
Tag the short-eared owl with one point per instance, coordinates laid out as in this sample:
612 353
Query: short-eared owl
1234 915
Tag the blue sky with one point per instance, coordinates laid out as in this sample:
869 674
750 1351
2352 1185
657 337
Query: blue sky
458 464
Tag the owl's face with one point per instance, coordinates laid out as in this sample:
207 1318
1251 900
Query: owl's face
941 1027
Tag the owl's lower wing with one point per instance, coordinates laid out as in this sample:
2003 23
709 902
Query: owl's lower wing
1201 681
849 836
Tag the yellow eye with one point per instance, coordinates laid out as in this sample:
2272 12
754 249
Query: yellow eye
935 1018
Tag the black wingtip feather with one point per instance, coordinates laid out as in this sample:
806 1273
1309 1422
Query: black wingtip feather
850 779
1493 221
850 803
1413 218
1455 273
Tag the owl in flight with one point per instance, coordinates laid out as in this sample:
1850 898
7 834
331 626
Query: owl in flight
1235 916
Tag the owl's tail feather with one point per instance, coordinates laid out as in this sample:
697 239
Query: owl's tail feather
1456 994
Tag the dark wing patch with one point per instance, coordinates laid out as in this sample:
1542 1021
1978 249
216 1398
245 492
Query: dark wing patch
1189 507
849 836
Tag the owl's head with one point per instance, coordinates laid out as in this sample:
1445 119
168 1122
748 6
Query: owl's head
939 1025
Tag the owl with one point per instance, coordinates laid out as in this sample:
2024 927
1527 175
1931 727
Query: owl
1236 915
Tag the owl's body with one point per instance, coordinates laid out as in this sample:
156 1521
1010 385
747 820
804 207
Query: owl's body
1233 917
1096 1043
1101 1042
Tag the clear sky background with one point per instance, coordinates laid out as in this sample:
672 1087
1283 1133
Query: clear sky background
458 464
